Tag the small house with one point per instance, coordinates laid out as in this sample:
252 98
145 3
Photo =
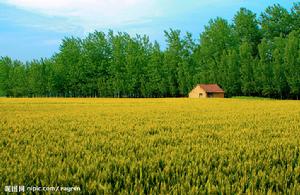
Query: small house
207 91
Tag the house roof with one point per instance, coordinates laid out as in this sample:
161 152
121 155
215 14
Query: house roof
211 88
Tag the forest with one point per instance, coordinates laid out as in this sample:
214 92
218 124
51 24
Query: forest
252 55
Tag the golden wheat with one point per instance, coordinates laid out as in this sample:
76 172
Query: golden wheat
151 145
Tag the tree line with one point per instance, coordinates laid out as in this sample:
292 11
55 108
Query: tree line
250 55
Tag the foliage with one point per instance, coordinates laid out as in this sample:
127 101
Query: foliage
249 56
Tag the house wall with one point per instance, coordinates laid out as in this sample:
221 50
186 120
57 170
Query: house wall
196 91
218 95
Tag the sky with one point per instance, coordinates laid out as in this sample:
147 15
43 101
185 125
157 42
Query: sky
33 29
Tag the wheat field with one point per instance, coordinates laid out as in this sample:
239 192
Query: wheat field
146 146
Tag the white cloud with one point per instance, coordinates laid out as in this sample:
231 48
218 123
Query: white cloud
91 14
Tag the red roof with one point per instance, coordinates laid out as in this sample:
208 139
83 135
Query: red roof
211 88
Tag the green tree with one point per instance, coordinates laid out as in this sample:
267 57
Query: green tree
232 80
95 62
186 67
265 63
153 84
137 54
292 63
172 60
37 78
68 68
117 67
279 80
295 14
248 57
247 72
5 66
276 21
17 82
246 27
217 37
201 75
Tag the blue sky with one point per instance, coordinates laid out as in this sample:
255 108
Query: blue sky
32 29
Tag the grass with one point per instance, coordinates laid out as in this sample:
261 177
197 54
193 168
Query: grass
250 98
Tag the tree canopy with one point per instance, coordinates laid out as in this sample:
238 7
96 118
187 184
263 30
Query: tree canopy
250 55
